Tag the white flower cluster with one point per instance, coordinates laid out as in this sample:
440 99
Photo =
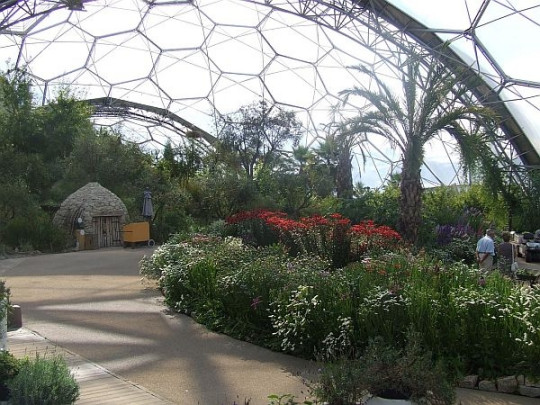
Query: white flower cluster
335 346
520 310
380 299
290 320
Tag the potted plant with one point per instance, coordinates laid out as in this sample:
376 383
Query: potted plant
385 374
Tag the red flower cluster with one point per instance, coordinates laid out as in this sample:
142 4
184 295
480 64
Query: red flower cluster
314 221
284 224
253 214
368 228
328 236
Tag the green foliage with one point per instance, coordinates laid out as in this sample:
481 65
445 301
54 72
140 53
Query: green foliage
35 231
525 214
48 152
9 368
457 250
428 103
218 194
171 212
64 120
256 133
296 305
36 140
290 192
379 205
181 163
217 228
104 157
43 381
338 383
387 371
330 237
18 129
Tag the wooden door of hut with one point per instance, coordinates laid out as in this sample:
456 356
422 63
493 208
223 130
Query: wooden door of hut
107 231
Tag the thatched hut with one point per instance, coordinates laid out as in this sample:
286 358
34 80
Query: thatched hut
94 215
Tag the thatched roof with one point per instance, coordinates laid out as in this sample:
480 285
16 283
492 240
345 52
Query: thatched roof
91 200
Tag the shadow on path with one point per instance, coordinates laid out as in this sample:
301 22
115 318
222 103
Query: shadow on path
95 304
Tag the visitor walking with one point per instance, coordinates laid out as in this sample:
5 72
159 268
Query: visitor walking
485 251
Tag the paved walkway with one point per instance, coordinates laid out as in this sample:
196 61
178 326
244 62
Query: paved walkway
95 304
94 307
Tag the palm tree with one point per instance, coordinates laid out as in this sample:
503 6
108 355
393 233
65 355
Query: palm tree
432 101
335 153
301 155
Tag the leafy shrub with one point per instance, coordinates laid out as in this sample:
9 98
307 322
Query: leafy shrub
456 250
248 288
387 371
338 383
43 381
9 368
456 243
4 291
217 228
35 232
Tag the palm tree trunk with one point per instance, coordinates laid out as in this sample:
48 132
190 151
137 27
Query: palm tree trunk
410 202
344 180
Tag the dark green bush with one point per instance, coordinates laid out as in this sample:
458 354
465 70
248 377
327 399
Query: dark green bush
34 232
456 251
43 381
9 368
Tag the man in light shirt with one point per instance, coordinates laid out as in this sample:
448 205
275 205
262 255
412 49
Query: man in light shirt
485 251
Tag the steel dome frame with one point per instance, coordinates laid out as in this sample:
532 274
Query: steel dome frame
387 22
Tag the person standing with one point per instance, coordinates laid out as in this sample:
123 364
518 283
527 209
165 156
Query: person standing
485 251
506 254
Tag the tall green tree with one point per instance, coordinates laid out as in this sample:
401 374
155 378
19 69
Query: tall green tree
431 101
121 166
182 162
62 121
35 141
257 133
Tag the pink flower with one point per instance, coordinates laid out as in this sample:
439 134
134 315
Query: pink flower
255 302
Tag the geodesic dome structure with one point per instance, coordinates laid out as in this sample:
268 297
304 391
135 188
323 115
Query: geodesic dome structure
167 69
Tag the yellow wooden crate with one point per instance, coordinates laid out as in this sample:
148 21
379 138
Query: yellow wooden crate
136 232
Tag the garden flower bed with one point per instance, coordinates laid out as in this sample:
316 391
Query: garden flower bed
295 300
